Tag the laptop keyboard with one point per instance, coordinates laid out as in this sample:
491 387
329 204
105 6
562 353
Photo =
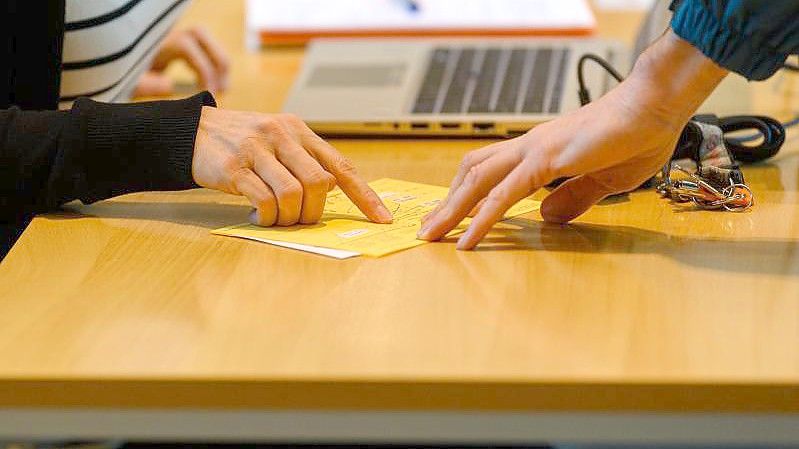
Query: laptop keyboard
493 81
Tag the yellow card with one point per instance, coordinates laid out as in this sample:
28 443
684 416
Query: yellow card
343 227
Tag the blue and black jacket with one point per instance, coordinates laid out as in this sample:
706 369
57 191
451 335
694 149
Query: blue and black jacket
750 37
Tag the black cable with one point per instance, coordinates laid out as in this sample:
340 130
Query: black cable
770 130
585 95
757 136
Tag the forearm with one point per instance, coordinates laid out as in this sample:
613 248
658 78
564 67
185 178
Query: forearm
95 151
674 77
136 147
29 148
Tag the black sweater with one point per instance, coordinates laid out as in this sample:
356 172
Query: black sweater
91 152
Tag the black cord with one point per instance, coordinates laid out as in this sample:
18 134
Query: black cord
770 130
585 95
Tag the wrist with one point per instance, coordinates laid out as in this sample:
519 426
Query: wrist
675 76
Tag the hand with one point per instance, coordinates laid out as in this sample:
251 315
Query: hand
609 146
202 53
279 164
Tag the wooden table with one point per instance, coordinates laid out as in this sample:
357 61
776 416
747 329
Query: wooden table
638 322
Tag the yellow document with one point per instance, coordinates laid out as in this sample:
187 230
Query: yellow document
346 231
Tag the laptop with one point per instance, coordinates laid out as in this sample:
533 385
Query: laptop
462 87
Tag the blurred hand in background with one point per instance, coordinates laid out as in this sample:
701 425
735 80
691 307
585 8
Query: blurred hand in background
200 50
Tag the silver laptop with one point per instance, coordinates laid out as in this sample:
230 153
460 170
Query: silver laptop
456 87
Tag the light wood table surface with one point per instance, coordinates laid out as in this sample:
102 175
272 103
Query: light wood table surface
636 309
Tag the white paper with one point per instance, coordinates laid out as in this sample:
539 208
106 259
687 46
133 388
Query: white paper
624 4
355 15
329 252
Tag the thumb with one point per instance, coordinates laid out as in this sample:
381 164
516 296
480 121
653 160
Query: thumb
153 84
578 194
573 197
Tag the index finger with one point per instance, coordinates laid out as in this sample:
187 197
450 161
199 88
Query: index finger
479 181
347 178
217 53
469 160
521 182
197 59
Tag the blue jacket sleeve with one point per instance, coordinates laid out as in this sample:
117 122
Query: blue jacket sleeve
749 37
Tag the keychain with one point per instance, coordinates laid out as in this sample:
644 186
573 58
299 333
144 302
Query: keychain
717 183
735 197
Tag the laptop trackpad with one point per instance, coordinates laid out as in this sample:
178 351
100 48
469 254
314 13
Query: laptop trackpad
356 75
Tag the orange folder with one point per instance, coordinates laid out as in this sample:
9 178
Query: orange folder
291 22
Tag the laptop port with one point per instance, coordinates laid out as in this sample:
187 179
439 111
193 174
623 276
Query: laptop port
483 126
420 126
450 126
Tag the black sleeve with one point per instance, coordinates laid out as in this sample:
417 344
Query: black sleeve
94 151
32 36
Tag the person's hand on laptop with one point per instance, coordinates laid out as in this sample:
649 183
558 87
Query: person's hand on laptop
609 146
279 164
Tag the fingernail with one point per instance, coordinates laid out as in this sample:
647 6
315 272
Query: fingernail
463 241
384 215
422 234
254 216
